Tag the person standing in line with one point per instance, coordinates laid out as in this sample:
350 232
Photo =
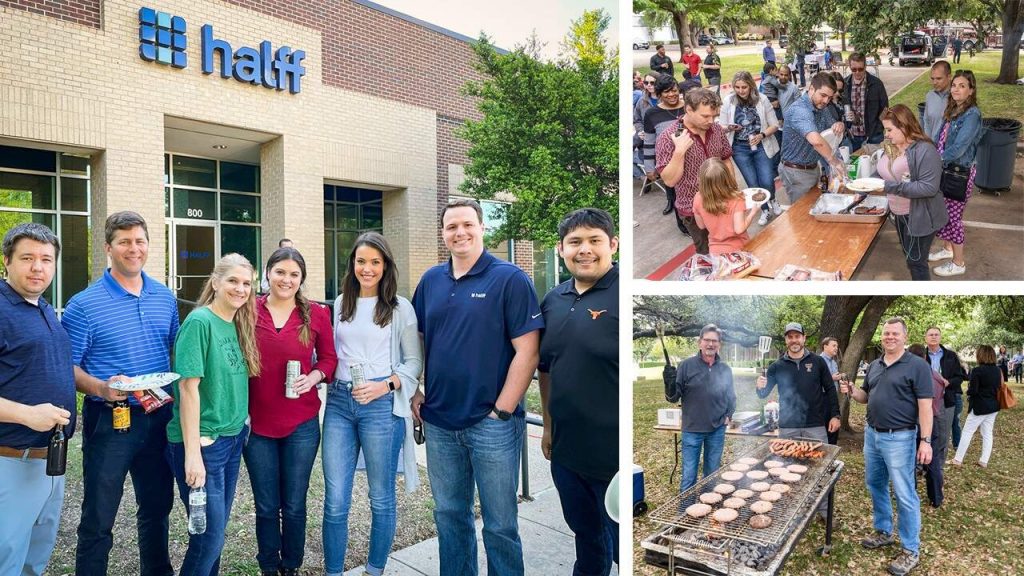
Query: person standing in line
481 324
705 387
959 136
898 391
719 208
768 56
215 353
661 63
833 357
579 385
982 407
375 334
285 436
713 69
124 324
933 471
656 119
936 99
865 93
37 394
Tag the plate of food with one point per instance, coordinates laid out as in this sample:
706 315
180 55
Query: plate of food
865 185
755 196
146 381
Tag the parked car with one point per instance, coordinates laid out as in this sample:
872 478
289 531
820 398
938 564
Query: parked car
915 48
783 41
641 45
722 40
703 39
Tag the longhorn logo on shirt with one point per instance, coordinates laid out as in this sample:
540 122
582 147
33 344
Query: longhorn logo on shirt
595 313
808 366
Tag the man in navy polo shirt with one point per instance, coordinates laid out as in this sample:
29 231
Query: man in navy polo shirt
123 324
579 384
37 390
481 332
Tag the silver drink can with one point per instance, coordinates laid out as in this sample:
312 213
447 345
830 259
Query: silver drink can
358 376
291 373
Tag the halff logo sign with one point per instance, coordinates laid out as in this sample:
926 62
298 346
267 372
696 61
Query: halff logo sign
162 39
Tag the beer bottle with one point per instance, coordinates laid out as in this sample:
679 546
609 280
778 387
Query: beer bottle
57 453
122 417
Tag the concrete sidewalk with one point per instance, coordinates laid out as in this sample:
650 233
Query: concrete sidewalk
548 546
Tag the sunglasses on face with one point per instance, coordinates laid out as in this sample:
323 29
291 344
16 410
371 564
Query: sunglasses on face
649 82
852 69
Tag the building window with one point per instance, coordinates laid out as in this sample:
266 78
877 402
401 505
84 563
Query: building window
50 188
348 212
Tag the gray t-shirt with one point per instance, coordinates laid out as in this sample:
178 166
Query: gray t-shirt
707 393
934 106
893 391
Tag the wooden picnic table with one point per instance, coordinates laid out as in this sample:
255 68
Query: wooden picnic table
797 238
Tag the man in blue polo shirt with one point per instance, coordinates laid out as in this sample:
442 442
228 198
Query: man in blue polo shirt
37 392
579 384
481 332
802 144
123 324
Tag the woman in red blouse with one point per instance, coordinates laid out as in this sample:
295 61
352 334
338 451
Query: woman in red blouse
286 431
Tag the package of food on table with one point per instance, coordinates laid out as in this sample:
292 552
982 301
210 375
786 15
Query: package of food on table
699 267
733 265
794 273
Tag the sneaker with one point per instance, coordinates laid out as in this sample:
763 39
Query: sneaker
776 207
763 220
940 255
903 563
949 269
877 540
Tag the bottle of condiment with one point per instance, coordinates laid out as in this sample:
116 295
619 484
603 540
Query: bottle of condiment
57 453
823 185
122 417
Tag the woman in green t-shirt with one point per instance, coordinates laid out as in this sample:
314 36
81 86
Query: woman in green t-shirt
215 353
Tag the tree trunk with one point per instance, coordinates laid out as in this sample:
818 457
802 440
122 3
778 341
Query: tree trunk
682 26
859 342
1013 26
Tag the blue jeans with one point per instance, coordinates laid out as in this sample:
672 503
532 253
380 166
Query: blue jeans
30 501
958 407
757 168
107 457
857 141
487 454
348 427
597 536
279 470
712 443
221 460
891 456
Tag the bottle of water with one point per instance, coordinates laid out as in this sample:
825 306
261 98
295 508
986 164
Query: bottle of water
197 511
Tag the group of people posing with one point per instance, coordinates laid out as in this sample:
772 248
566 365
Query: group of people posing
914 397
474 330
774 130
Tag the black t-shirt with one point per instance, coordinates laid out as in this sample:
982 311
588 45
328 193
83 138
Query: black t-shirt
579 348
893 391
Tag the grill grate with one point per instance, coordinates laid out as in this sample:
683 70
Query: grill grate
783 512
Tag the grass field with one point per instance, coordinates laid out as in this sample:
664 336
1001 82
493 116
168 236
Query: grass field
975 532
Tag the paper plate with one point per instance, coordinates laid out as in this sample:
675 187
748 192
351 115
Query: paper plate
748 193
865 185
611 498
146 381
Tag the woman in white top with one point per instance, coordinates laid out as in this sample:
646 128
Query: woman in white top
750 125
374 333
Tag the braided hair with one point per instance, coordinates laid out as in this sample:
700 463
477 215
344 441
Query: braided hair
301 302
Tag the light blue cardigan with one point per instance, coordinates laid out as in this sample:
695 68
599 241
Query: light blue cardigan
407 350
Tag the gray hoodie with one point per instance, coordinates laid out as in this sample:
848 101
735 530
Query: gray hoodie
927 208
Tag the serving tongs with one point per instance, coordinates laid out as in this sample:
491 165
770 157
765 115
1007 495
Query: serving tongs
861 196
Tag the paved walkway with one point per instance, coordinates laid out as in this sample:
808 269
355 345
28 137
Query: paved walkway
995 234
547 542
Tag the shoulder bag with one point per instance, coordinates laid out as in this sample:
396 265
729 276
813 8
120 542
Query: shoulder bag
1005 397
953 184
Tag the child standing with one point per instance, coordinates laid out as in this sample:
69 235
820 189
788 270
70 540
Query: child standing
719 208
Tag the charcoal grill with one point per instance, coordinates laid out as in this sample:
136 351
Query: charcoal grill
700 546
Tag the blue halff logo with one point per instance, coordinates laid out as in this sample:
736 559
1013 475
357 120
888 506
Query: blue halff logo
162 38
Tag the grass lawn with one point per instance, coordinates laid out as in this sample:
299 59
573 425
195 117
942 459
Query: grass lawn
974 532
995 100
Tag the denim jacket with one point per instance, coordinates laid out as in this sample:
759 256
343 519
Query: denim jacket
965 132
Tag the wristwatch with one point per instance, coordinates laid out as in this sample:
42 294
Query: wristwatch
391 385
925 440
501 414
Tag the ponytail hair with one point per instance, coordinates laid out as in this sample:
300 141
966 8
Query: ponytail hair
245 317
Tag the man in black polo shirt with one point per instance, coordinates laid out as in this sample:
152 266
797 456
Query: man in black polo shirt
579 384
806 392
898 391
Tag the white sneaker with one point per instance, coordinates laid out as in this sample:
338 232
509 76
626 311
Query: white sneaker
776 207
949 269
940 255
763 220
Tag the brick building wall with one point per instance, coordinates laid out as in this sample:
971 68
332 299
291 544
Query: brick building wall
84 12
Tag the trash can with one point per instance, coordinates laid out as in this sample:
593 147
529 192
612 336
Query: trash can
996 153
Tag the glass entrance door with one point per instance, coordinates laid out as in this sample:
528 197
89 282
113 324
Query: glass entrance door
193 255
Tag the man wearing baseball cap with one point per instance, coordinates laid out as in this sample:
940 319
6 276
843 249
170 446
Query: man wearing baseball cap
806 392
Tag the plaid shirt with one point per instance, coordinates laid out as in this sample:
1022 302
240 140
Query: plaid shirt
715 145
857 95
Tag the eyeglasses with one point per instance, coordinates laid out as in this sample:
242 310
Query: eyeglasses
649 82
852 69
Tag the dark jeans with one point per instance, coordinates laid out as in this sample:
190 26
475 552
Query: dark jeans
933 472
857 141
915 248
1018 370
957 409
597 536
107 457
697 234
279 470
757 168
221 460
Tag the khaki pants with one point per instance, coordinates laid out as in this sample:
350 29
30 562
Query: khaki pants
797 181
